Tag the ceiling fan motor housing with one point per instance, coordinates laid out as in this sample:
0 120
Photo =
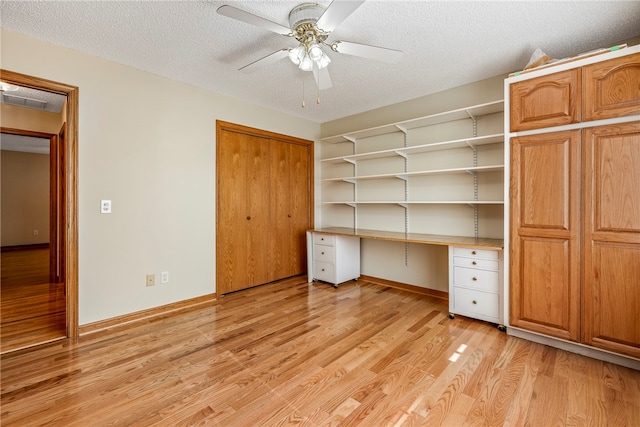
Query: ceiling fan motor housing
306 13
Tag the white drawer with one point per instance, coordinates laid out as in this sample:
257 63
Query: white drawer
486 264
476 253
323 253
472 302
323 271
324 239
476 279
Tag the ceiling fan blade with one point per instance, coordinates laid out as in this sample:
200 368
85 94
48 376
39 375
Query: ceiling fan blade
390 56
337 12
322 77
266 60
250 18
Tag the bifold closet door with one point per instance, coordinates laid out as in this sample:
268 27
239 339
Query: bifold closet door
244 214
290 207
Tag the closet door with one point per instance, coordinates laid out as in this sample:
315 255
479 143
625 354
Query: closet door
243 211
290 174
545 233
264 206
611 289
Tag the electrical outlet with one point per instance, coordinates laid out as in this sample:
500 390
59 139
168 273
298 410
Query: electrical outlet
105 206
164 277
151 279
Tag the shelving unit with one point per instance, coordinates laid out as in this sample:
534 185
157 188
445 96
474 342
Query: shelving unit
406 151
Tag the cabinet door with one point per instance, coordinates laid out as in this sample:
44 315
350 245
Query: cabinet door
545 231
611 288
301 174
612 88
545 101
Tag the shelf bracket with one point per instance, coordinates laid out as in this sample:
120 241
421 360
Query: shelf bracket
402 177
349 138
402 129
349 180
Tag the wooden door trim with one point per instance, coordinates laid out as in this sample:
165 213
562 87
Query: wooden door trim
71 195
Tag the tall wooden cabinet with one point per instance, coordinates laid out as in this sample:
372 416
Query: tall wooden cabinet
574 190
264 206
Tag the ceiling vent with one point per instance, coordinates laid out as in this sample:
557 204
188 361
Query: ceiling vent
24 102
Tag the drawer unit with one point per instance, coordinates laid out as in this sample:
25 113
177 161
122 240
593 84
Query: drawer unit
335 258
475 288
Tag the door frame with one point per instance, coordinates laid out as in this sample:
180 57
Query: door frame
69 202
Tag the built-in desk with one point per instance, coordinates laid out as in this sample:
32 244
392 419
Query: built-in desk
475 265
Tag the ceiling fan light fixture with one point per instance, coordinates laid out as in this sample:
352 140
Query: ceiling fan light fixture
7 87
323 61
297 54
315 52
306 64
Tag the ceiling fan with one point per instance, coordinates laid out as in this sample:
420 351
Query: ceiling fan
311 25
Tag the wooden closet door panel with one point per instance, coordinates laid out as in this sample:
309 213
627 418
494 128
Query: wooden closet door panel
258 214
545 101
545 218
231 265
611 271
301 204
281 244
611 88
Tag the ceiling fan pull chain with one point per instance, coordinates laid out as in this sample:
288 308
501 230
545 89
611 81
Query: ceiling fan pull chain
318 87
303 105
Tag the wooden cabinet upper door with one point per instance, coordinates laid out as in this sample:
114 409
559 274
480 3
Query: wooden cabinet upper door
545 101
545 232
612 88
611 289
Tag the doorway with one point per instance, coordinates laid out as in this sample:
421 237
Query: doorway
58 256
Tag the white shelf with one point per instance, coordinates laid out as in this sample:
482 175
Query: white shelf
421 202
406 125
405 175
436 146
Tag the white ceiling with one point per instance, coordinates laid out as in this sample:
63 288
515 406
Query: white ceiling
445 44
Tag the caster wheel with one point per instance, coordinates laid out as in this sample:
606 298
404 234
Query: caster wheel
452 316
502 328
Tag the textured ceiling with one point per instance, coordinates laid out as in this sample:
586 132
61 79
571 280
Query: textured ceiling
445 44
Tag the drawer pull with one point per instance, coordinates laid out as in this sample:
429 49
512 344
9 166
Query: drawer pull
474 263
474 279
323 269
248 217
474 301
322 253
473 252
322 238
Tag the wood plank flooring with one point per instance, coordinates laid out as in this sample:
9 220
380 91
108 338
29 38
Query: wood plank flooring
293 353
32 310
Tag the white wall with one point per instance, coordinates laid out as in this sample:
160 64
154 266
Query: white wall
148 144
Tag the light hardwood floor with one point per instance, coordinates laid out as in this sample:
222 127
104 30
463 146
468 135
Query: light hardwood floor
32 310
293 353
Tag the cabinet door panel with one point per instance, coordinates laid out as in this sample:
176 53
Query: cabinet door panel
545 224
547 294
301 174
611 88
611 289
545 101
544 180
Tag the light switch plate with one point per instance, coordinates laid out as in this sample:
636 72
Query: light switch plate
105 206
